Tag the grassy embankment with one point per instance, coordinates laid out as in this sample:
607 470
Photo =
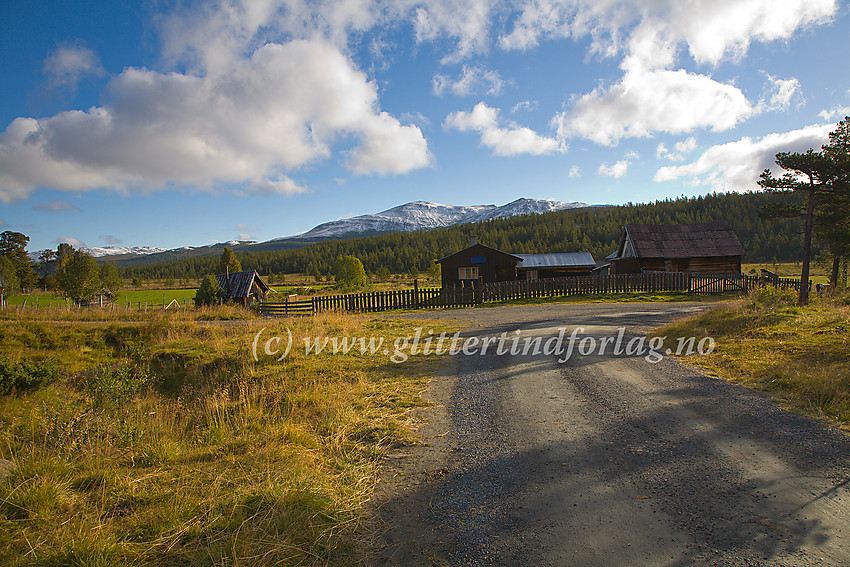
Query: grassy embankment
800 356
164 442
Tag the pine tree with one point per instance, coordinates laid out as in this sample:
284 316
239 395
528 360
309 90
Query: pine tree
228 262
822 178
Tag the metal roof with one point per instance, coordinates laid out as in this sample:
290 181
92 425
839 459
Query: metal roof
555 260
240 283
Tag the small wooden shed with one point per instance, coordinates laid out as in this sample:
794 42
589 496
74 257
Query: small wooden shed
243 287
705 248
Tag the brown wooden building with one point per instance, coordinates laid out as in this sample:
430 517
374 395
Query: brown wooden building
243 287
467 266
706 248
479 262
558 265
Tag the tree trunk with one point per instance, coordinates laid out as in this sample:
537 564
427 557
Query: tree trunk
833 277
807 249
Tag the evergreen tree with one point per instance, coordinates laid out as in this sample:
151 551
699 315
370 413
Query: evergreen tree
822 179
228 262
210 293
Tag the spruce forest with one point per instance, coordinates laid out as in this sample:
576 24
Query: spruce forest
595 229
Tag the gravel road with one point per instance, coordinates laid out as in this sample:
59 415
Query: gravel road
608 460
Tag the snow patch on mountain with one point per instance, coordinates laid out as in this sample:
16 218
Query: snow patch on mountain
423 215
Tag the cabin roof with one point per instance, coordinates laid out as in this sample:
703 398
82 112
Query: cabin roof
241 283
481 247
683 240
559 260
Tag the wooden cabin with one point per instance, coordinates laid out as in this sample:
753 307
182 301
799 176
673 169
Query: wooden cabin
705 248
541 266
479 262
243 287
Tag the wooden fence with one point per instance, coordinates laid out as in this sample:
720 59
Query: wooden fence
421 298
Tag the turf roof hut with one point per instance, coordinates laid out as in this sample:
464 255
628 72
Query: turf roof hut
243 287
706 248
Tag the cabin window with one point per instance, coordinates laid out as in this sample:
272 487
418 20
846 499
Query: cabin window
478 260
467 273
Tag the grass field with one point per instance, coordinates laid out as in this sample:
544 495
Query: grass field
818 273
162 441
798 355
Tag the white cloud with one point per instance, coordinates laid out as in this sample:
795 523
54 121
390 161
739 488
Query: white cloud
211 36
70 240
679 150
472 81
653 96
283 107
736 166
617 170
511 141
280 185
67 65
55 206
650 101
779 94
528 105
575 171
838 112
111 240
711 29
620 168
466 24
244 236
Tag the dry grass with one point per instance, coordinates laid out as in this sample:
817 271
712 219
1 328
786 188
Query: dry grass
797 355
168 444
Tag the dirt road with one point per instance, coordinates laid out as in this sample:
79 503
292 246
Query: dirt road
608 460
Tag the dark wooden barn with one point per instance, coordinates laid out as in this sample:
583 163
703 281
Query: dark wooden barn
243 287
478 262
540 266
706 248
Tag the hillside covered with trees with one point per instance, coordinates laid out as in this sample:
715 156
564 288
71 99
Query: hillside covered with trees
596 230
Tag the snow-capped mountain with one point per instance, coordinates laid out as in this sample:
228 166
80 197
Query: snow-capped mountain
419 215
422 215
98 251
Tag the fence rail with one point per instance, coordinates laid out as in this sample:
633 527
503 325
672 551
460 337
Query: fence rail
422 298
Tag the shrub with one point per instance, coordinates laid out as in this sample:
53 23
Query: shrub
770 297
210 293
16 377
115 385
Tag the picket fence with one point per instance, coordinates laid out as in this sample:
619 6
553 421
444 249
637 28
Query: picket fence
424 298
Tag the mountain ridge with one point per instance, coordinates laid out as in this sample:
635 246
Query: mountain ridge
408 217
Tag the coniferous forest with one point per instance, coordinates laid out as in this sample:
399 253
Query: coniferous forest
596 230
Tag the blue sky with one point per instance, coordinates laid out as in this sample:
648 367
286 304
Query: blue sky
169 124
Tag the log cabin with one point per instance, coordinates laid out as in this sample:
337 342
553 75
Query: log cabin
704 248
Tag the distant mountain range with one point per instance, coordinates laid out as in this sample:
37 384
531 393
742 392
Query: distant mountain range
422 215
419 215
